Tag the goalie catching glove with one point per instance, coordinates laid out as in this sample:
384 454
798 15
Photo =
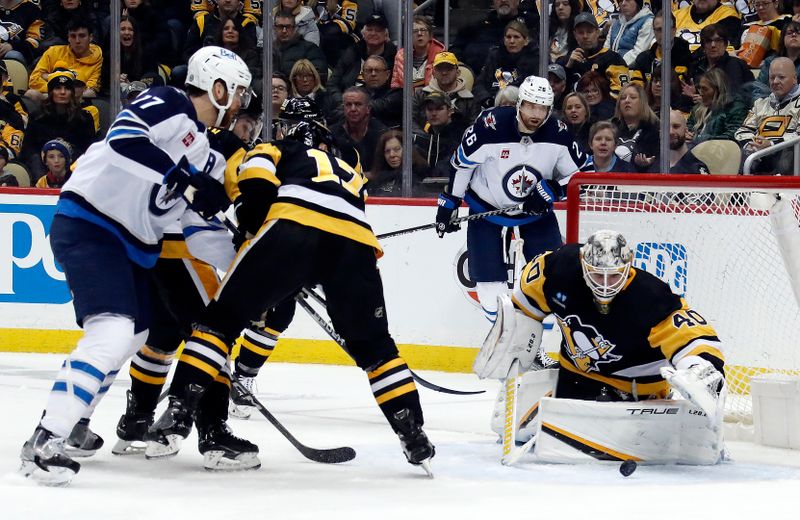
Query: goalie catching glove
203 194
700 382
513 336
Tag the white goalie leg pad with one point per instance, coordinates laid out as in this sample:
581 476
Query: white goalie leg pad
648 432
532 387
513 336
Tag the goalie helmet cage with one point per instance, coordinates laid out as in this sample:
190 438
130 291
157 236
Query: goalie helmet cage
720 242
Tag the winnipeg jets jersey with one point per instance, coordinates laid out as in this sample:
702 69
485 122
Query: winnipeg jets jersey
496 166
118 183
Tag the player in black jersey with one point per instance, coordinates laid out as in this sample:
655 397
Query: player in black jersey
303 208
626 335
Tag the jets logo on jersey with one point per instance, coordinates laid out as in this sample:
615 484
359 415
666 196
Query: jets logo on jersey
519 181
586 347
490 122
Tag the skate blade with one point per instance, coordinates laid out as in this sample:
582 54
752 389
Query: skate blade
426 465
76 452
129 447
56 476
215 460
156 450
240 411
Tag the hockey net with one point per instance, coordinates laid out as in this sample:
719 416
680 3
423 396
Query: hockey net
722 243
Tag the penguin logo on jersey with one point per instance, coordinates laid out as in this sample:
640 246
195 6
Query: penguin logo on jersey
519 181
586 347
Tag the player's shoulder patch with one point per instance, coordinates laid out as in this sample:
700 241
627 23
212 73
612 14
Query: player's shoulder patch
496 125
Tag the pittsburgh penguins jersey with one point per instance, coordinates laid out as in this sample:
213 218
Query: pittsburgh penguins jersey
688 24
497 166
118 183
771 119
647 327
605 62
288 180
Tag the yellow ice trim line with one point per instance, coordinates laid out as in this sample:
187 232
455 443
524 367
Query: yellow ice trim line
290 350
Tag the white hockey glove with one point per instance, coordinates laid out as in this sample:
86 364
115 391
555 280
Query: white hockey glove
698 381
513 336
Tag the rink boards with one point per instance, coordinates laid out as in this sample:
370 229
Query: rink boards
432 312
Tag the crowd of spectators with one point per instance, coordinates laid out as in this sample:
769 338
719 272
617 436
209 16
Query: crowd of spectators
734 75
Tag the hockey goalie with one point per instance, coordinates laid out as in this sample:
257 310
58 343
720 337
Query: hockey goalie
640 374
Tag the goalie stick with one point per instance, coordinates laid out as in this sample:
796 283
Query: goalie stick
338 339
325 456
467 218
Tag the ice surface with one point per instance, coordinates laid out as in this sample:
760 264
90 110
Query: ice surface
326 406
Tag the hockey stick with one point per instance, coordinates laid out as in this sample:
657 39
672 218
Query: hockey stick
338 339
510 421
325 456
467 218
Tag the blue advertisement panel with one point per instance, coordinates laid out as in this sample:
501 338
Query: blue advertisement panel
28 272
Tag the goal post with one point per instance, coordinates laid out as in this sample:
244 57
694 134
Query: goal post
729 244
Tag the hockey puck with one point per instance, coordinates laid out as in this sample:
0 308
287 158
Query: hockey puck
628 467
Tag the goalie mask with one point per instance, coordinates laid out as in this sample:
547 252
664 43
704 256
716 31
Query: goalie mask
606 263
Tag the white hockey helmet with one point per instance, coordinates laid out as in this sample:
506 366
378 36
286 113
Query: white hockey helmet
212 63
537 90
606 264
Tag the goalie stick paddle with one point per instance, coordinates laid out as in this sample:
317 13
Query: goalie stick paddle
467 218
338 339
325 456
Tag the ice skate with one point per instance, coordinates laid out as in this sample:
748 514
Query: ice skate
165 436
238 407
44 459
82 441
131 429
223 451
417 448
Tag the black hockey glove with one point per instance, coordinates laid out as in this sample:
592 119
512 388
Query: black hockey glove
541 199
203 194
448 210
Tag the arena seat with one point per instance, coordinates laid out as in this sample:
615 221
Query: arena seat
722 157
20 172
18 75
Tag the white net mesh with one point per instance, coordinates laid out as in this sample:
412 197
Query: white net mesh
717 247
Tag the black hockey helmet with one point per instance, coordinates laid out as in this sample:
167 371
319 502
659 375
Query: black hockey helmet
312 134
300 109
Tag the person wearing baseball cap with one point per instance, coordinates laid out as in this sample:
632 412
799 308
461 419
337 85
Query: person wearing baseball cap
439 137
557 77
590 55
374 41
447 78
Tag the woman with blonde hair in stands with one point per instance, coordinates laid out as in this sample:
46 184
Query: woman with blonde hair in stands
637 127
507 64
719 111
305 81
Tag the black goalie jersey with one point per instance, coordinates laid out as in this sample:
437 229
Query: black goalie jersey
647 327
287 180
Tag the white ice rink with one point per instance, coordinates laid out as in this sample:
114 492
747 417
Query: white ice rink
327 406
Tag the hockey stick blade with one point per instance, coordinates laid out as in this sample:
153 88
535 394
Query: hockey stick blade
325 456
517 452
442 389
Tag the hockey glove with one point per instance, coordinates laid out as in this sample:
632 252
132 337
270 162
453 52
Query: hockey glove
203 194
447 212
541 199
700 382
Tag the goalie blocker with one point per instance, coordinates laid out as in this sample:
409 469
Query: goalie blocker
628 344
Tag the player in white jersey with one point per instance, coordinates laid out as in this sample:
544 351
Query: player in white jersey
107 232
509 157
